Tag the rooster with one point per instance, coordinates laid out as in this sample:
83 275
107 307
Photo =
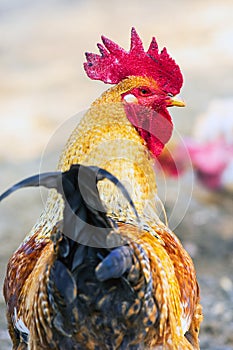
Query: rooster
141 291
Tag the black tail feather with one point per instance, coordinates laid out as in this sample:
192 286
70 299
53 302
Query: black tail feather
48 180
85 218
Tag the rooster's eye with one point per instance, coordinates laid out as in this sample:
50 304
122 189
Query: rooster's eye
170 94
145 92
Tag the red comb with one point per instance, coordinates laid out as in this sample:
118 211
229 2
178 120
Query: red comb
115 64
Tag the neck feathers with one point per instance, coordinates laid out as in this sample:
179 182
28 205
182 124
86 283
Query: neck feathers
106 138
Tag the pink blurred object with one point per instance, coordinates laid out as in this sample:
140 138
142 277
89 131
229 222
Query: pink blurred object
209 150
212 162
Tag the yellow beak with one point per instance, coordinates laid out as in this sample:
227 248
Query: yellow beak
173 102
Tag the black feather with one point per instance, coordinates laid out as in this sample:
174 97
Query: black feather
49 180
83 207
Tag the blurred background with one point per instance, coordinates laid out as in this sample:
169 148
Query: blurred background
43 85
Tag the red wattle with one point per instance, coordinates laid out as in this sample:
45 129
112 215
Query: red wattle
155 128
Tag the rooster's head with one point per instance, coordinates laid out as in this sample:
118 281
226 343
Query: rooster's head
147 83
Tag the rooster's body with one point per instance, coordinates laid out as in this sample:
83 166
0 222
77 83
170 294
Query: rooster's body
62 291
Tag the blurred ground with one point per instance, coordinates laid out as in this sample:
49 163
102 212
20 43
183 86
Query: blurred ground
42 84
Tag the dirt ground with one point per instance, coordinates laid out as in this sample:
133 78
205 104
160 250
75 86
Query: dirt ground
43 85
